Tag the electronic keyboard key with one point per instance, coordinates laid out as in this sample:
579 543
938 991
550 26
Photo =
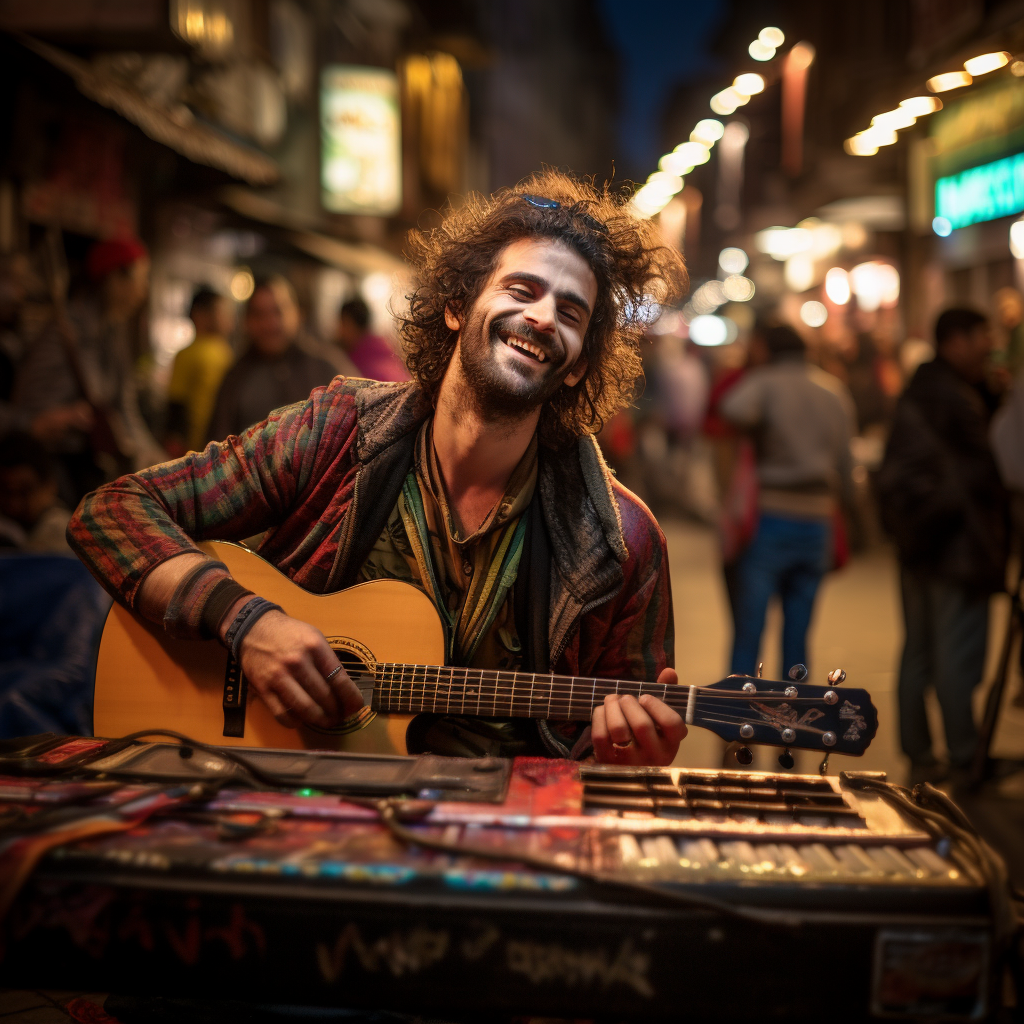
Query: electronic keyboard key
819 856
792 861
855 859
930 861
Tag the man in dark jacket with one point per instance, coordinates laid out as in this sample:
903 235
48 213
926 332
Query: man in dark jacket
942 500
481 483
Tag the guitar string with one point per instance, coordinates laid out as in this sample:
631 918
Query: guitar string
560 684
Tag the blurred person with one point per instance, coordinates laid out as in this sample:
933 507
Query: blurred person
800 420
942 500
28 495
372 355
480 483
276 368
198 372
81 373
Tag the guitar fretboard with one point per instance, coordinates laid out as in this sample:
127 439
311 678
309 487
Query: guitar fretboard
444 690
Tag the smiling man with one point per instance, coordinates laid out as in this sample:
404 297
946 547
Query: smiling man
480 482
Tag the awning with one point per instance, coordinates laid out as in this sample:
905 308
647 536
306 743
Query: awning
359 258
197 142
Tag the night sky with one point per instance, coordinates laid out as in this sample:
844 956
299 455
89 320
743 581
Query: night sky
663 44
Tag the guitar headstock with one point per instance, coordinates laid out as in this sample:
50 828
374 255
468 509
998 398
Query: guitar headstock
829 719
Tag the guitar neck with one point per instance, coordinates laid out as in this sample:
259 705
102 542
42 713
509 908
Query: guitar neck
447 690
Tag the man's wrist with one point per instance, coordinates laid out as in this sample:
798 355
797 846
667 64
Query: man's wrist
230 616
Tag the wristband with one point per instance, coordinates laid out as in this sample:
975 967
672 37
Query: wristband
183 617
219 600
246 618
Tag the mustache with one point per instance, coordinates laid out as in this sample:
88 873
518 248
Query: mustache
514 323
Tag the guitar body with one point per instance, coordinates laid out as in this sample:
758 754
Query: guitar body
147 680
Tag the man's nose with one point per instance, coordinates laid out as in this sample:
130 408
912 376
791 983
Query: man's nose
542 314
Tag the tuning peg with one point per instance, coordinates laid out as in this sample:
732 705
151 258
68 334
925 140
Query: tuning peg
798 673
836 676
744 756
786 759
760 669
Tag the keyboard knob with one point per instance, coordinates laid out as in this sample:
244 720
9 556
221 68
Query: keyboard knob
798 673
786 759
744 756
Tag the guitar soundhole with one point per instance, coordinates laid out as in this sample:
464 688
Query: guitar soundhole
358 663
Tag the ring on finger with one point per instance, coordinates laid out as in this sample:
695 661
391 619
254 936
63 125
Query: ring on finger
623 746
334 671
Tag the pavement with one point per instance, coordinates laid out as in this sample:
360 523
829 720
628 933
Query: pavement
858 627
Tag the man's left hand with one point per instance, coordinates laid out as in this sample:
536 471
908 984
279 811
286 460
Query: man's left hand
626 730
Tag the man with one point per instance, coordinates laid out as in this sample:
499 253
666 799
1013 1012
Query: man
942 500
800 419
81 372
483 471
35 518
198 372
372 355
277 368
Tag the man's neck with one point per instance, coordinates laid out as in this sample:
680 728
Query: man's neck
477 456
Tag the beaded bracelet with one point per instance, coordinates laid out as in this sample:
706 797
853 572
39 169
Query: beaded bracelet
245 620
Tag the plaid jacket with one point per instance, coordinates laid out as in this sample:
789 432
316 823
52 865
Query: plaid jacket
319 479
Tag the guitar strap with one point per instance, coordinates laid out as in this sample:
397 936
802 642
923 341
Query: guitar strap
531 593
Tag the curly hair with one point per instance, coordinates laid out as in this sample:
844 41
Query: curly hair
633 270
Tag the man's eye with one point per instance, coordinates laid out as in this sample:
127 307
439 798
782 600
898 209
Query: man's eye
571 315
521 293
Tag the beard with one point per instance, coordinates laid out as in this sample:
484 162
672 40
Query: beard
500 389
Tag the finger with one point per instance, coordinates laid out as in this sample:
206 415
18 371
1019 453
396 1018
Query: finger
299 703
668 677
278 710
309 677
618 729
346 693
669 722
645 732
599 734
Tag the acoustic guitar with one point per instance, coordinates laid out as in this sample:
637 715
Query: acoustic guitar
390 638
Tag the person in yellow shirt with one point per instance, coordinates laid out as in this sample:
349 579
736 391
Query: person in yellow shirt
197 374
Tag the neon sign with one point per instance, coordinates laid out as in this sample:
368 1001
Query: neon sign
981 193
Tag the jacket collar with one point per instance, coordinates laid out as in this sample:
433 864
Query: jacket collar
575 486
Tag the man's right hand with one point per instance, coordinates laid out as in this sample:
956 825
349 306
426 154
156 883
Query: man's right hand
288 661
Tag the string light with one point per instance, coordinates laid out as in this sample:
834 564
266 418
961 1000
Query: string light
987 62
950 80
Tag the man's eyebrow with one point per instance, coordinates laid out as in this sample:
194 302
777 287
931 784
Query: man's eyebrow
573 297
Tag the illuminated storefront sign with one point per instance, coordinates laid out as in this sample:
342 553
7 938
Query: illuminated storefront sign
360 157
981 193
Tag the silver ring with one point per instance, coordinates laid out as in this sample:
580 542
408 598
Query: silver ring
622 746
334 671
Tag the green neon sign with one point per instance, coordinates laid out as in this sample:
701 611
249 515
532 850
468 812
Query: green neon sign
982 193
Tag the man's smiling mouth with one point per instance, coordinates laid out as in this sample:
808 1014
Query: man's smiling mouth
535 352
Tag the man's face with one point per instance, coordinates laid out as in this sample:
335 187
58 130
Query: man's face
968 352
523 337
271 320
24 497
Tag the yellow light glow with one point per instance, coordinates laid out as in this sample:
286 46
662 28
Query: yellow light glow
759 51
802 55
749 84
673 163
987 62
861 145
649 201
707 131
919 106
693 152
771 36
1017 239
242 285
949 80
893 120
725 102
837 286
662 181
1017 68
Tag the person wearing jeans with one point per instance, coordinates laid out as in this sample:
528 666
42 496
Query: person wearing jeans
800 420
941 499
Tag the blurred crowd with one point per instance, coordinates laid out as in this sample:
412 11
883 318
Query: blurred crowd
78 408
796 454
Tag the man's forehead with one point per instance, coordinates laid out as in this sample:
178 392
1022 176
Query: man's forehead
545 257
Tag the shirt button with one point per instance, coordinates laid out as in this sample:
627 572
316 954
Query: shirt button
504 510
467 567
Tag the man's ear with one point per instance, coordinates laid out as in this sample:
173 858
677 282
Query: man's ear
575 375
453 322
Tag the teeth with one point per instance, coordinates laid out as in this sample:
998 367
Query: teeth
516 342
